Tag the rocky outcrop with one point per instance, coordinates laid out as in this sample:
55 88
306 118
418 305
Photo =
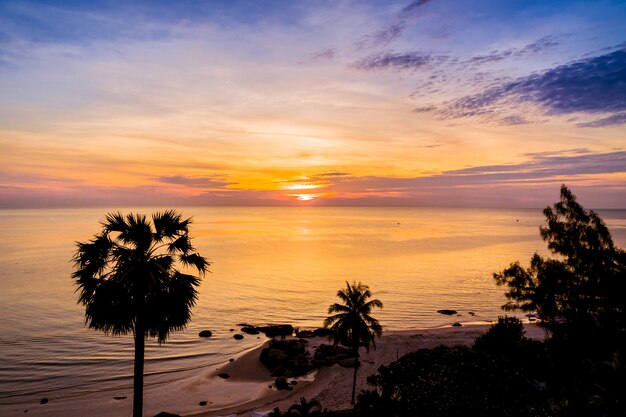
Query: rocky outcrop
287 358
327 355
250 330
281 384
274 330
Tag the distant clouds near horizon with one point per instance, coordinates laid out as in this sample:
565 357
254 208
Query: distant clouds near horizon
391 103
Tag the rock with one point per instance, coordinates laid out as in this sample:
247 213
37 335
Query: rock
44 400
306 333
164 414
205 333
471 313
286 358
119 398
238 337
245 325
223 375
447 312
293 382
349 363
456 324
323 332
202 403
281 330
231 360
249 330
281 383
231 330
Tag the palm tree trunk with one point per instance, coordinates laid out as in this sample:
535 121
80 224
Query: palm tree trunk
138 375
354 383
356 366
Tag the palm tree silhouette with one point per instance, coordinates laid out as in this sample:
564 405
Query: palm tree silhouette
353 326
128 279
305 408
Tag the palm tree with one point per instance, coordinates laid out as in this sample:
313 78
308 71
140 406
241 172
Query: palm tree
128 279
352 324
305 408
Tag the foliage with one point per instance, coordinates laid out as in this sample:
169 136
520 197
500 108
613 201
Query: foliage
306 408
584 286
131 278
483 380
352 325
504 336
300 409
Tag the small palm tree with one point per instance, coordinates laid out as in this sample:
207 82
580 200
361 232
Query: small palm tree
276 413
128 279
305 408
352 324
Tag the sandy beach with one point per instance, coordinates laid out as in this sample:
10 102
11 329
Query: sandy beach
331 386
249 389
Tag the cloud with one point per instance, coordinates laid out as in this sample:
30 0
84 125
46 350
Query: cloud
595 85
493 56
381 38
531 183
408 61
539 46
195 182
612 120
410 9
323 55
393 31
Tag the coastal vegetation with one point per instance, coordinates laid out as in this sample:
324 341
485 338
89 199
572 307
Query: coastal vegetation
579 296
352 324
131 279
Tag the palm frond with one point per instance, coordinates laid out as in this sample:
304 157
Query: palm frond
169 225
195 260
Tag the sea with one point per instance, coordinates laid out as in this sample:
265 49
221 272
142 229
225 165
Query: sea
268 265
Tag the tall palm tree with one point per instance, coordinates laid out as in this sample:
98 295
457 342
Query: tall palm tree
352 324
129 279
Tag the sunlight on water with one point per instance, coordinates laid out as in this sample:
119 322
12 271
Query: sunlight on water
280 265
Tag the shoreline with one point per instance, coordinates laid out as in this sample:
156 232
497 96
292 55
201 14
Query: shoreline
332 386
250 387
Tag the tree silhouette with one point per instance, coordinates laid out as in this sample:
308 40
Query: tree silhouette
305 408
584 288
129 279
352 324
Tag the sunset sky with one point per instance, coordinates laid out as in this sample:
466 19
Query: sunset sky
390 103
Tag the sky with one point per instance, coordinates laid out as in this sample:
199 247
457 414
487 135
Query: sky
451 103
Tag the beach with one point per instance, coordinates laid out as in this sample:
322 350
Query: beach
249 387
332 386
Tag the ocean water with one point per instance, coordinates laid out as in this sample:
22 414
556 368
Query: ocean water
269 265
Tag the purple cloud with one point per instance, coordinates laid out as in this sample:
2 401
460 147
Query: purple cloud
408 61
612 120
412 7
539 46
325 55
594 85
381 38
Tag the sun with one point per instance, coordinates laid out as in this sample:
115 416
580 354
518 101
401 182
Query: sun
305 197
